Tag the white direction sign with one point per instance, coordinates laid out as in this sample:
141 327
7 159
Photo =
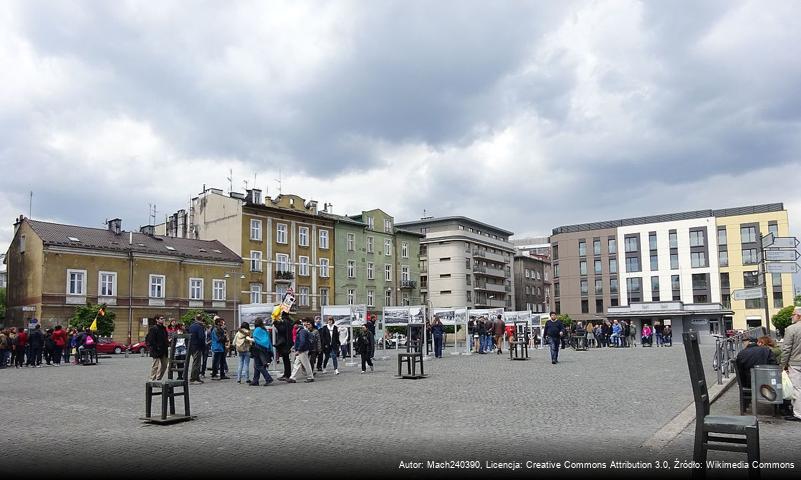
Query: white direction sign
782 255
783 242
747 294
781 267
768 240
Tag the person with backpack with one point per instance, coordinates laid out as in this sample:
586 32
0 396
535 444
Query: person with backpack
262 353
243 341
158 344
218 339
329 339
316 350
364 345
87 341
35 344
303 343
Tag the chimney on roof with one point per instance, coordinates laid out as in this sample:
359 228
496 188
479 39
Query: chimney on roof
17 223
312 206
115 226
148 230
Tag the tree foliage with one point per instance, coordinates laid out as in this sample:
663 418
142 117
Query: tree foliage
189 316
565 318
85 315
783 319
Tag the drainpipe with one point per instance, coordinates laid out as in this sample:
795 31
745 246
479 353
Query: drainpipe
130 292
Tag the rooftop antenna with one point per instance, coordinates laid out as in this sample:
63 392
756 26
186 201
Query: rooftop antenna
30 205
424 213
279 180
151 209
230 179
246 184
254 179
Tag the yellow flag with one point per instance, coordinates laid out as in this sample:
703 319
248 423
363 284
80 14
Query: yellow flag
93 326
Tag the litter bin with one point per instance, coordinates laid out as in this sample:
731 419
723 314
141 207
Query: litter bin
766 386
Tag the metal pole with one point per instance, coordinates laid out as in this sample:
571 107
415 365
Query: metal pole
764 269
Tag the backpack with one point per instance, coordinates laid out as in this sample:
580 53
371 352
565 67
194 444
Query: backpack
316 346
89 341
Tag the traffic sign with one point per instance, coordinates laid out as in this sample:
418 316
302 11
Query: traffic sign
747 293
781 267
768 240
779 242
782 255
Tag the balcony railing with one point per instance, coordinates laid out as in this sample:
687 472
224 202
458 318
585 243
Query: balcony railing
285 276
492 272
408 284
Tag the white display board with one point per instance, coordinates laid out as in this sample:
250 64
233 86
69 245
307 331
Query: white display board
249 312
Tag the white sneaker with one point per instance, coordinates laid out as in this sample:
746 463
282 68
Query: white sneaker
362 371
336 371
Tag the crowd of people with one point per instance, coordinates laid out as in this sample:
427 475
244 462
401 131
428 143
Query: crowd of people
620 333
55 346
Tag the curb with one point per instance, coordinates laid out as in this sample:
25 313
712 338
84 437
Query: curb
673 428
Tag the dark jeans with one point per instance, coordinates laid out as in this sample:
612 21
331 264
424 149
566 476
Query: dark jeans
35 357
259 368
205 361
55 355
286 363
320 361
366 360
314 359
216 363
554 342
180 365
438 346
197 362
331 354
19 357
67 351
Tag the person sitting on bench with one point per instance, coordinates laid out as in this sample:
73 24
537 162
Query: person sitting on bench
757 352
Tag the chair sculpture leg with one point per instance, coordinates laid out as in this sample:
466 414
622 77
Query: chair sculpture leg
186 399
172 401
400 364
164 394
422 372
752 446
699 454
148 400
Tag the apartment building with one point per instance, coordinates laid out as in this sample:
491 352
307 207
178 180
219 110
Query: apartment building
464 262
53 268
680 268
532 283
284 241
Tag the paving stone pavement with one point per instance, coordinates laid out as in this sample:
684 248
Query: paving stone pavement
595 405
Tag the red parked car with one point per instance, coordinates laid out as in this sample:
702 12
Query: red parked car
138 346
107 345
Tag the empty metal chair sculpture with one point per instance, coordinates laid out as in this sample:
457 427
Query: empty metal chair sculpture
170 388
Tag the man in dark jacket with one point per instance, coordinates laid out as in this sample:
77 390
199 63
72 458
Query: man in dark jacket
756 353
197 347
35 344
158 345
371 328
302 347
283 343
554 331
329 337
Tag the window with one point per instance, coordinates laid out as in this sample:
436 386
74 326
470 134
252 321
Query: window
776 279
654 289
613 302
388 226
674 261
22 244
303 296
555 289
584 287
723 258
323 268
750 256
632 264
596 247
404 249
255 293
582 248
303 266
324 239
527 273
255 230
351 296
351 269
654 262
218 290
675 283
631 244
370 270
612 244
613 285
405 299
599 305
725 300
388 247
303 236
700 298
696 238
528 290
76 282
555 251
370 244
612 265
652 240
157 286
255 261
748 234
556 270
598 267
755 303
371 223
778 299
773 228
351 242
388 298
722 236
405 276
370 298
108 284
724 280
281 262
751 279
634 285
599 286
583 267
699 281
323 297
469 296
673 239
585 307
388 273
697 259
195 289
280 291
280 233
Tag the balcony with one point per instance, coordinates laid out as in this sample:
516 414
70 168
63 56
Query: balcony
284 277
490 303
408 285
490 287
490 272
493 257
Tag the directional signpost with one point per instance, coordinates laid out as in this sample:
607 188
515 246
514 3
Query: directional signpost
772 241
781 267
778 256
747 293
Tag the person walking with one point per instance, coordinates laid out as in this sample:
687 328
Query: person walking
554 331
371 327
437 331
159 346
262 352
791 361
499 327
344 342
316 350
283 343
197 347
35 343
22 344
302 346
180 350
329 339
364 344
243 341
218 339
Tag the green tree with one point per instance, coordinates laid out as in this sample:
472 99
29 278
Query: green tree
85 315
2 303
797 301
783 319
565 318
189 317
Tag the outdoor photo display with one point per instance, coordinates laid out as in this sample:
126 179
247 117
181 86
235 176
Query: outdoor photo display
359 315
511 317
252 311
491 313
415 315
343 314
451 316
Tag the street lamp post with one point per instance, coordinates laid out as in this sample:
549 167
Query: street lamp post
236 294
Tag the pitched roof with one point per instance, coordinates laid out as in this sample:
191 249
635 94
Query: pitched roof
342 218
102 239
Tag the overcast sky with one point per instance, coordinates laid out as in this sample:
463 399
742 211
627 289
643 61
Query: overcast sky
526 115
